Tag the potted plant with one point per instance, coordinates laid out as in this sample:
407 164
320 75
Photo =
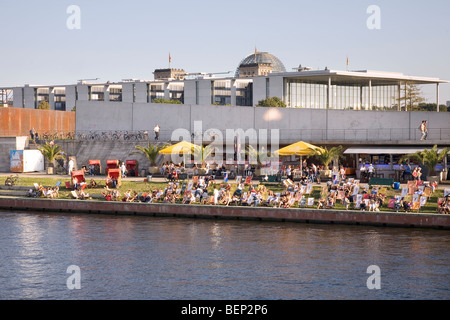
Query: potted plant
327 156
201 154
151 152
51 152
260 157
429 158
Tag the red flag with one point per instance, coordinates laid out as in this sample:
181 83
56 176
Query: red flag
170 58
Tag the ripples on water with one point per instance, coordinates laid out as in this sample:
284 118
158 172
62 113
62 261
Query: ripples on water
131 257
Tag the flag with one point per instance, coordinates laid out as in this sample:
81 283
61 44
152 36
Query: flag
256 51
347 61
170 58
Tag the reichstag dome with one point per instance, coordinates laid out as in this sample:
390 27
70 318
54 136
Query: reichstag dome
261 58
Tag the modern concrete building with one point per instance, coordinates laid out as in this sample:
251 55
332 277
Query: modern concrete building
325 107
257 77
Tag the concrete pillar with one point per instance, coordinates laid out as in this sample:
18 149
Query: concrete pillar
233 92
51 97
166 90
106 92
83 92
29 96
141 92
18 98
70 97
370 95
437 97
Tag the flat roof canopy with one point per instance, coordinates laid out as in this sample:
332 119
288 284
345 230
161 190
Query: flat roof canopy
377 78
384 150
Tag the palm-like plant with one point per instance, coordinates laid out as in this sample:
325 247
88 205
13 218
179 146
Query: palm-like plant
428 157
151 151
51 152
259 156
328 155
202 153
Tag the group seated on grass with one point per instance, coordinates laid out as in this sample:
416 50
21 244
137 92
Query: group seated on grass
348 194
40 191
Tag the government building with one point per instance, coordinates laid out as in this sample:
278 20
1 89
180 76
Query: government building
325 107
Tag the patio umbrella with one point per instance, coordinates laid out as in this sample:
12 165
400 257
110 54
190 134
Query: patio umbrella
183 146
299 148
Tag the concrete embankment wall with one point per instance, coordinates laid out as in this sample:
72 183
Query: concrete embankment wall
418 220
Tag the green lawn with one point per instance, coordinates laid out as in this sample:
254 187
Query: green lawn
141 187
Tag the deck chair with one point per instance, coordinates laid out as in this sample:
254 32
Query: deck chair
194 179
427 192
74 194
391 204
310 202
248 180
36 186
68 185
415 206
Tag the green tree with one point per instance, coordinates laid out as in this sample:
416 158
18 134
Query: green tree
162 100
202 153
273 102
43 105
430 107
430 158
260 156
51 152
151 151
328 155
410 97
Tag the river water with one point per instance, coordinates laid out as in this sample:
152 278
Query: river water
135 257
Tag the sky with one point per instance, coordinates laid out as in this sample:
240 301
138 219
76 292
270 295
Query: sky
117 40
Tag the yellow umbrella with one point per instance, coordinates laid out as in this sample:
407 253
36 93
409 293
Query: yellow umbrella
183 146
300 148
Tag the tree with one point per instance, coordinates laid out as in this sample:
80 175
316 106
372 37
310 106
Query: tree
328 155
410 97
431 107
43 105
273 102
151 151
430 158
259 156
52 152
162 100
202 153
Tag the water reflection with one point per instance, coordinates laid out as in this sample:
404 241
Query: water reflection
132 257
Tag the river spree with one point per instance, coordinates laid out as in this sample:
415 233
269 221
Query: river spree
86 256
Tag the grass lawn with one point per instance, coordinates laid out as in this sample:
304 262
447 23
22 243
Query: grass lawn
141 187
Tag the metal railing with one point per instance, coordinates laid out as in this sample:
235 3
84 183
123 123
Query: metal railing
285 135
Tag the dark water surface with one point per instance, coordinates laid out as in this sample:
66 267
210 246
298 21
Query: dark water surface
132 257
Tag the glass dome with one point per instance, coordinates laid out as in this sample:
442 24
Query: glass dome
261 57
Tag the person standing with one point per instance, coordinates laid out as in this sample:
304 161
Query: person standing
156 131
32 133
424 130
123 168
71 164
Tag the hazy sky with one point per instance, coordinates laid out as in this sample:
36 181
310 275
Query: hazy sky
129 39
